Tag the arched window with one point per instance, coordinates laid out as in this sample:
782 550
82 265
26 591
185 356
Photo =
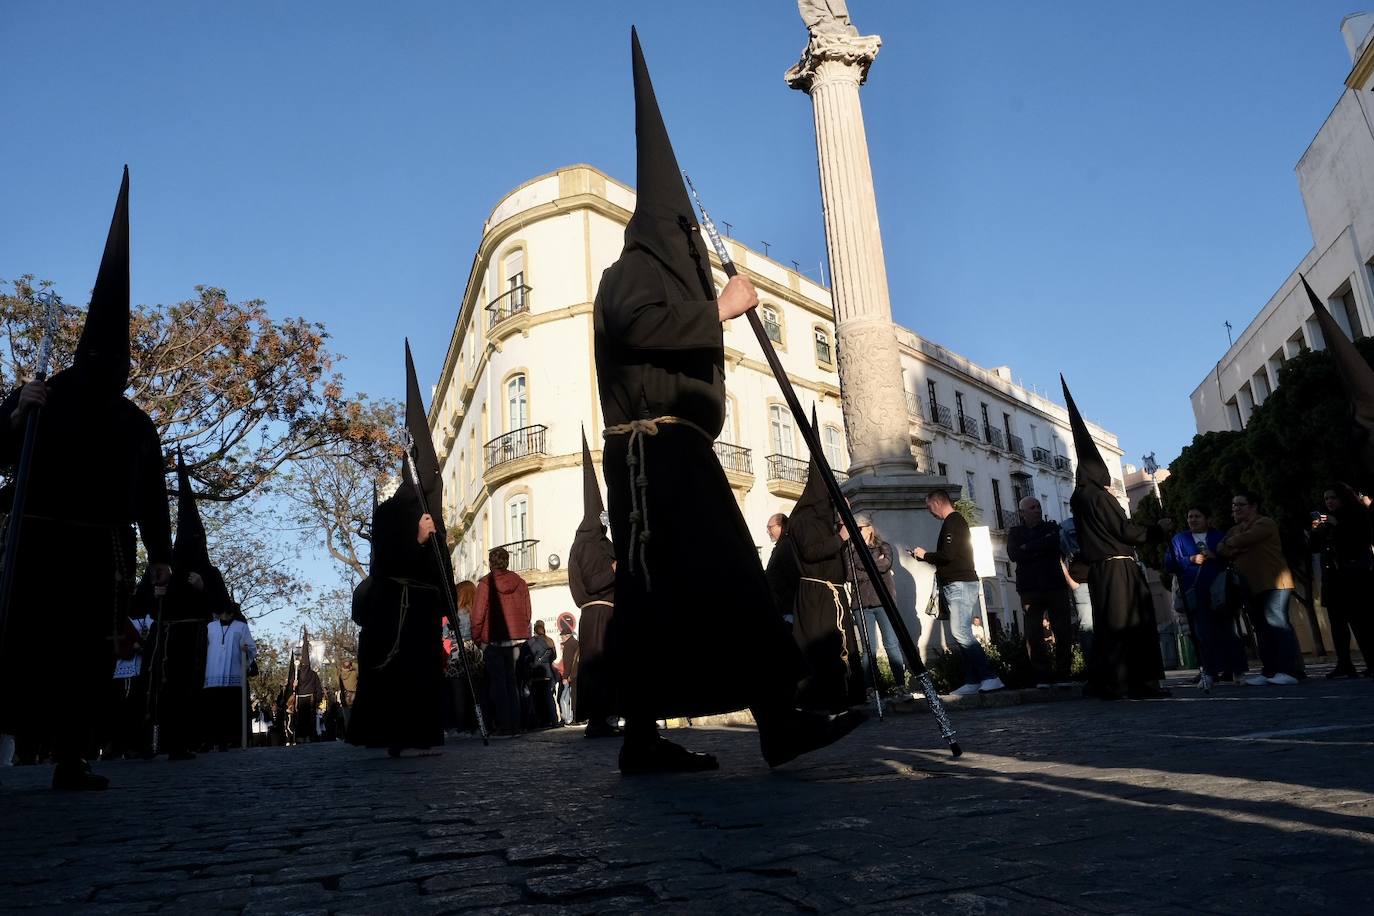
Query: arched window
834 448
518 519
772 323
513 270
781 437
825 351
728 432
517 403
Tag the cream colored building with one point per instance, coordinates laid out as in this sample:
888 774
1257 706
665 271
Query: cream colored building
1336 180
518 386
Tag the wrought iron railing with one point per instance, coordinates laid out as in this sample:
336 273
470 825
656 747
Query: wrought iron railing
1061 463
1010 518
913 407
519 443
1016 446
968 426
994 436
735 458
513 301
941 416
785 467
523 555
823 352
1041 455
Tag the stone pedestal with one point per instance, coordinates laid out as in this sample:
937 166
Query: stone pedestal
884 481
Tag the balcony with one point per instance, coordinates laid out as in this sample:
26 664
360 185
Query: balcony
1016 446
510 304
1042 456
969 426
994 436
524 556
517 452
738 464
1117 488
1009 518
1061 464
786 475
940 415
913 407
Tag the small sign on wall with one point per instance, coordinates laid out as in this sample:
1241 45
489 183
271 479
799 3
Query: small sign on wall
983 563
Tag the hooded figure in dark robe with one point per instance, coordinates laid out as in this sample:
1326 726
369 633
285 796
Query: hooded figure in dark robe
197 595
401 605
591 579
1125 659
307 694
1358 380
97 472
822 623
688 582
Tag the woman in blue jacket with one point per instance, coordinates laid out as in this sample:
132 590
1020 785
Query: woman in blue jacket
1192 558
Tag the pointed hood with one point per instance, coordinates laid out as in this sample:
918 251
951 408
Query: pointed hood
1356 375
305 649
1091 468
664 223
814 497
426 458
102 355
191 553
592 507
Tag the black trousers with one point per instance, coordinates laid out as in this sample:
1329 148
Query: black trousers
503 693
1057 605
223 716
1346 597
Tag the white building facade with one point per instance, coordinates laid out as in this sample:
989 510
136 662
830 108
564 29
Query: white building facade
518 386
1336 178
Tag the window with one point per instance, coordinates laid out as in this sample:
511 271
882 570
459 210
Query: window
999 517
1352 314
772 324
514 271
517 403
987 424
959 404
934 401
472 447
781 438
518 518
728 431
824 352
834 451
942 469
970 490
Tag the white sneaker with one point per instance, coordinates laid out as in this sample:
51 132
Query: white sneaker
1282 680
991 684
967 690
1205 683
1256 680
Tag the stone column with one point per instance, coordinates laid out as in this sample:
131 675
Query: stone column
831 70
884 481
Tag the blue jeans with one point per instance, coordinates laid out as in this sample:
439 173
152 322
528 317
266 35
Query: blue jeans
1278 644
962 600
1214 626
875 618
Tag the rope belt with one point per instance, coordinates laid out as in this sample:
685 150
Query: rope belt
639 482
839 613
406 586
1132 559
597 602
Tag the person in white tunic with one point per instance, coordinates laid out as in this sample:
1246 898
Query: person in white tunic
227 637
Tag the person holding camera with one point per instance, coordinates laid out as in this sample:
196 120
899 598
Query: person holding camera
1343 537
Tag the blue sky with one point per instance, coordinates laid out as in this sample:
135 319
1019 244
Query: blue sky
1078 186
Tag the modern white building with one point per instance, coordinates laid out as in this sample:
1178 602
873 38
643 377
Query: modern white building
1336 178
518 386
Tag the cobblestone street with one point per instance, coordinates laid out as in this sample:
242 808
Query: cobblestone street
1255 800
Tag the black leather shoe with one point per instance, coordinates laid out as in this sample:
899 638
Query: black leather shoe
77 777
663 756
806 732
1342 672
600 728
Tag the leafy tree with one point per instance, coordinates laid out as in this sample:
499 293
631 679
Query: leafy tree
241 393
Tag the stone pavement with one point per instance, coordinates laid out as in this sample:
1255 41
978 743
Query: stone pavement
1255 800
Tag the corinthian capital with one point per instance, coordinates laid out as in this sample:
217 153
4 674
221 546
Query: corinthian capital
827 47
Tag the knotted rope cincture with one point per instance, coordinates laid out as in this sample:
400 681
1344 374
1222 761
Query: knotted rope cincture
406 586
839 614
639 483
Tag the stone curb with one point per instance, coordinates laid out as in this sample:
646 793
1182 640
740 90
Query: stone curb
997 699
